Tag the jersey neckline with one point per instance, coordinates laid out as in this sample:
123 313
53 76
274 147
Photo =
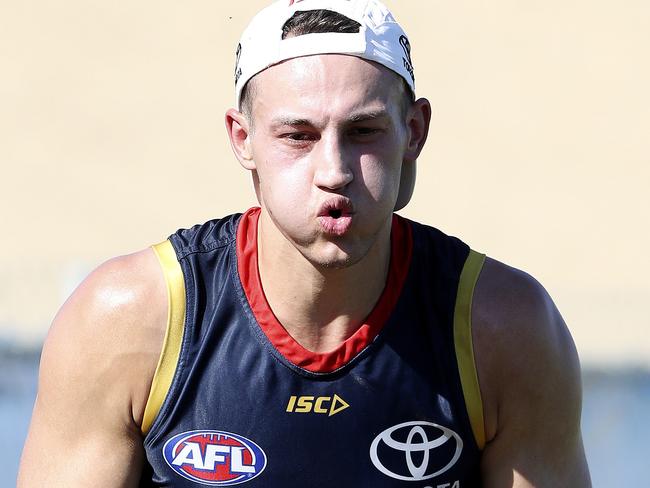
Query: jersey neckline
287 346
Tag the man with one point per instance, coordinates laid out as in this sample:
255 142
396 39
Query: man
318 340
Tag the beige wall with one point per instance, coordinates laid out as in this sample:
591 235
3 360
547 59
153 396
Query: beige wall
111 137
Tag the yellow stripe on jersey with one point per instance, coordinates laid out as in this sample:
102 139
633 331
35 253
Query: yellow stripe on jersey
464 346
171 349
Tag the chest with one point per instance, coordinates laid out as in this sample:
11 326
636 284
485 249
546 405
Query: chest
241 413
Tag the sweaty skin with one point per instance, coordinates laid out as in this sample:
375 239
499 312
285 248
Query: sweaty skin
95 374
529 377
342 149
327 134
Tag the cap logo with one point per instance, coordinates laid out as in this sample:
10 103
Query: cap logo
237 68
406 46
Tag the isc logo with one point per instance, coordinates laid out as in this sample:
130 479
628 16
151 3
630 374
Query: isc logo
214 458
322 404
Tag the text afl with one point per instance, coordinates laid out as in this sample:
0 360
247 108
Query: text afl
215 458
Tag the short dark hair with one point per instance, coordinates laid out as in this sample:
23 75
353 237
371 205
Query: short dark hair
316 22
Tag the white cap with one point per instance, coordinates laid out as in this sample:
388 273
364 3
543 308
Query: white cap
380 38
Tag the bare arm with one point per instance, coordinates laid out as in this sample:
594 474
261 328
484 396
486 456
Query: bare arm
530 381
95 374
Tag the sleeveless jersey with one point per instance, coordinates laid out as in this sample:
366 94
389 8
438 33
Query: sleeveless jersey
236 400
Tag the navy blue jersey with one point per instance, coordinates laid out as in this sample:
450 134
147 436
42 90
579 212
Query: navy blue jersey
236 400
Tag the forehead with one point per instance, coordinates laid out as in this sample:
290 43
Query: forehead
325 84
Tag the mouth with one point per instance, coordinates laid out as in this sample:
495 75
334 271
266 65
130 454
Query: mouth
335 216
335 213
336 208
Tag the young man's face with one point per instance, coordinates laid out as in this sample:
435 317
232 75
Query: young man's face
327 142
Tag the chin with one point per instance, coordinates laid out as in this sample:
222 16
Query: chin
333 256
335 264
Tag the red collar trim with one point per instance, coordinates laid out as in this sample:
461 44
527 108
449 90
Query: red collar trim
401 249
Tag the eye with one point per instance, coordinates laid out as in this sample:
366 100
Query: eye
364 131
298 136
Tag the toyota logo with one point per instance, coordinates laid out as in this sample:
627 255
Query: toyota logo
415 440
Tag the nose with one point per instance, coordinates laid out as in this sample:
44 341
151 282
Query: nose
333 170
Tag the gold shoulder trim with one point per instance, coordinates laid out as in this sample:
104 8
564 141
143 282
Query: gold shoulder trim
171 349
464 347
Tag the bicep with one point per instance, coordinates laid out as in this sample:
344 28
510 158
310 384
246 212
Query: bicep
60 452
532 375
95 371
538 442
74 439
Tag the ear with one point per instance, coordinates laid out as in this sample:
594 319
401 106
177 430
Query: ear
417 123
417 126
239 133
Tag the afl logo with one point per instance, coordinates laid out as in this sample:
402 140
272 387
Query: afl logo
215 458
415 451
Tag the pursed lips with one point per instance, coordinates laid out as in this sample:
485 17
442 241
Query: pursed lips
335 215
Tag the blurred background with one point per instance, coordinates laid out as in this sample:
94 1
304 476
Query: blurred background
112 137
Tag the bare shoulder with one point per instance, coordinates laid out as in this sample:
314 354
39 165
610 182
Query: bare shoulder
114 325
529 374
96 369
519 337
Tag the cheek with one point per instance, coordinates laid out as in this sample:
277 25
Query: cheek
381 177
282 185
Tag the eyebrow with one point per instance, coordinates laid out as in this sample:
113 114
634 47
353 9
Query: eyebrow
355 117
367 115
289 121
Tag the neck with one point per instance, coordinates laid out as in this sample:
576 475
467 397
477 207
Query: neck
319 306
